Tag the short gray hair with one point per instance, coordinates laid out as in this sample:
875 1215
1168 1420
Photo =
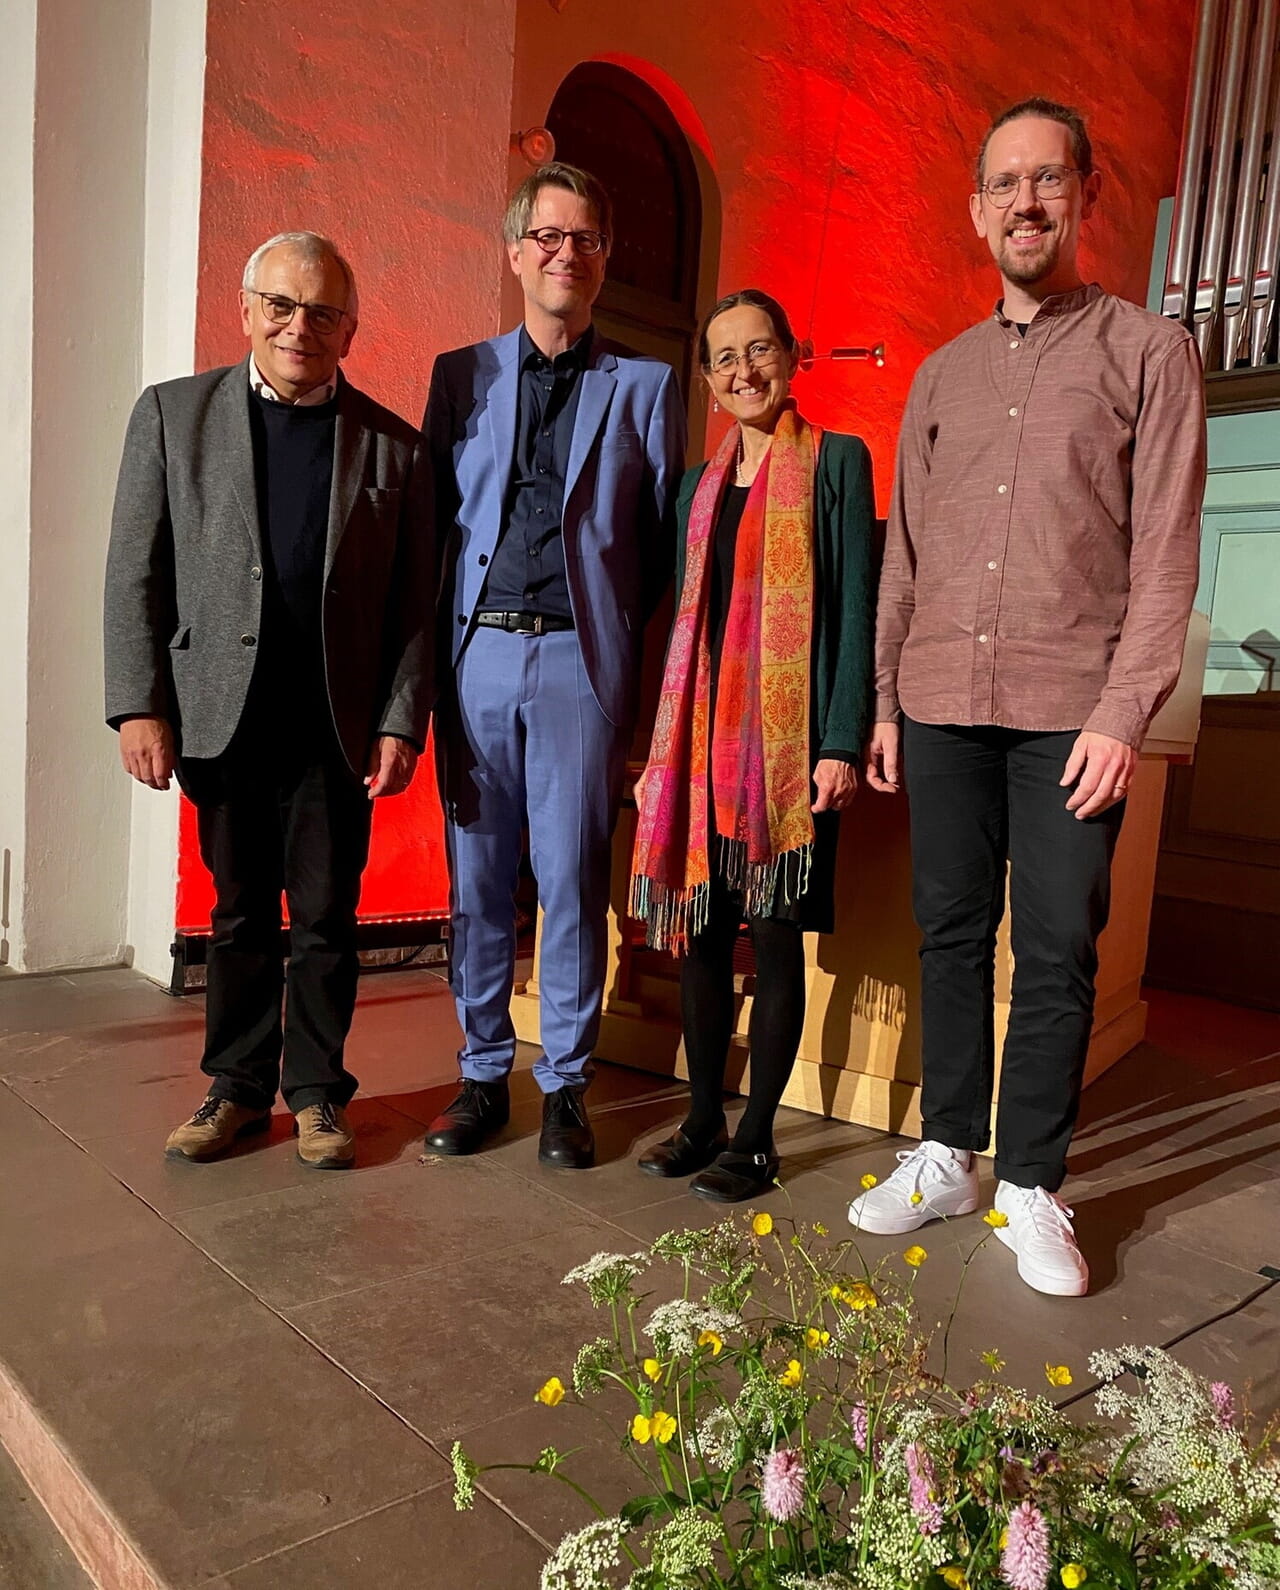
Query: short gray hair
556 175
315 250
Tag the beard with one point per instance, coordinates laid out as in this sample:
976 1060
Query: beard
1027 266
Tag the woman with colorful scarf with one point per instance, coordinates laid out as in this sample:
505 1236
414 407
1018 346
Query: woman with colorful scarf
760 723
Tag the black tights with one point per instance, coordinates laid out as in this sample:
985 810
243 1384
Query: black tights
707 1010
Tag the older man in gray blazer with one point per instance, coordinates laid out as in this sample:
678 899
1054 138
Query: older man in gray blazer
268 615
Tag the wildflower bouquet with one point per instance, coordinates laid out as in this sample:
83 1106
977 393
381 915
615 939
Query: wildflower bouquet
792 1428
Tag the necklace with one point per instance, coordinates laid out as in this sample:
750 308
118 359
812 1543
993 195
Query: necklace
742 455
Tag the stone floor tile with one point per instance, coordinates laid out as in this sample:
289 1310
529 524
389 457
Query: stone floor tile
1241 1350
471 1341
415 1544
342 1230
202 1419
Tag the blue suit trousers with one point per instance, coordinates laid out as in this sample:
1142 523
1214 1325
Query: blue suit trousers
522 741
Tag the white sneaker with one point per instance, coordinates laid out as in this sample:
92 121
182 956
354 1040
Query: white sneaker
1041 1234
930 1183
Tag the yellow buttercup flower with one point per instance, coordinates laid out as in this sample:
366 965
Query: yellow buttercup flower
917 1197
551 1393
1004 1539
1074 1575
762 1225
915 1256
955 1577
996 1219
652 1369
1057 1374
641 1429
813 1338
792 1375
663 1427
859 1296
711 1340
868 1182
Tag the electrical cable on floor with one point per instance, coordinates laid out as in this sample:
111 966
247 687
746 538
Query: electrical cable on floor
1270 1274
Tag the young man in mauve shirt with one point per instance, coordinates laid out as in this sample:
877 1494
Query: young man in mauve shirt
1042 558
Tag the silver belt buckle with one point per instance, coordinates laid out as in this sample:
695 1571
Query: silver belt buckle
536 629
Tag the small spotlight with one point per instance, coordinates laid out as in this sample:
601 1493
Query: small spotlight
874 355
535 146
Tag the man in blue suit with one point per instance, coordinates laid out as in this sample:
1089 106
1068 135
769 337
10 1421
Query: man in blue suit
557 458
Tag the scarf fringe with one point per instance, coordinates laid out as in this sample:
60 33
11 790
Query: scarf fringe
673 916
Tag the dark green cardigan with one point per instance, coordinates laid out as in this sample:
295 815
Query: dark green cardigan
844 603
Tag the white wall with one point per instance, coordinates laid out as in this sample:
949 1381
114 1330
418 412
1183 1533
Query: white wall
100 112
17 119
174 127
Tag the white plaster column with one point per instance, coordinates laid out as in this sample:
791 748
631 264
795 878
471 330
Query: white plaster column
99 187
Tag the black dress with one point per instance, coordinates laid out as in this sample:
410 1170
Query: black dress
814 911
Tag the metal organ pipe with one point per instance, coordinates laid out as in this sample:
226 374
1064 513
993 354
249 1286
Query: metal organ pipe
1236 322
1226 229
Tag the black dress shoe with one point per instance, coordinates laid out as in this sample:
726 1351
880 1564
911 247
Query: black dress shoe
480 1110
735 1177
681 1155
566 1139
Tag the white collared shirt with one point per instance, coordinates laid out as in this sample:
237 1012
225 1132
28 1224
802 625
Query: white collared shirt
264 389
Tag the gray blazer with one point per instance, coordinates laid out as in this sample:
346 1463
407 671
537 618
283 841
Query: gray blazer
184 570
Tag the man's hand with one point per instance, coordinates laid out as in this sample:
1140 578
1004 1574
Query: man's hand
391 767
884 758
146 749
1101 770
836 784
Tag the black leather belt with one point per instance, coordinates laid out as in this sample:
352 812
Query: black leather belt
524 623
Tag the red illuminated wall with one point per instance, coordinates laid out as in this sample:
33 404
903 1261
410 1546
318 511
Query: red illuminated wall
387 129
835 138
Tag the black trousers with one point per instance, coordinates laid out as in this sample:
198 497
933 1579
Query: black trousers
280 811
981 796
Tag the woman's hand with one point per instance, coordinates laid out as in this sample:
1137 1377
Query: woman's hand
836 783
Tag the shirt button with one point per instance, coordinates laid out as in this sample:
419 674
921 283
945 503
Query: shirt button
982 640
255 573
1002 489
1015 344
537 510
1012 413
248 640
991 565
546 435
541 471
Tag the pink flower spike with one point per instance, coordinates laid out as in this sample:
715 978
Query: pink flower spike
924 1493
782 1485
1025 1563
1224 1403
858 1424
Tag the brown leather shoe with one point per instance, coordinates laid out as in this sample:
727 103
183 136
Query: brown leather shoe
325 1138
213 1129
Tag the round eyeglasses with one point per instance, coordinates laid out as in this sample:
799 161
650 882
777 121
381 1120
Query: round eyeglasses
762 356
550 239
280 310
1050 182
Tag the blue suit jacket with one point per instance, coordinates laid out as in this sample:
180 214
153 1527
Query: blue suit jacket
625 464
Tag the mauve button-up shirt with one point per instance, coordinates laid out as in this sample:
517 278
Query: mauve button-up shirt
1043 543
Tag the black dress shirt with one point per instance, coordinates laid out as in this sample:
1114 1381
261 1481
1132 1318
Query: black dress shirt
528 570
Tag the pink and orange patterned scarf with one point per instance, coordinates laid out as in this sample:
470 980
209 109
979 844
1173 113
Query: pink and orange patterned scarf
758 744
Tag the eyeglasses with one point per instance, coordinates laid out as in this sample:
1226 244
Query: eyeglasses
760 356
550 239
1050 182
280 310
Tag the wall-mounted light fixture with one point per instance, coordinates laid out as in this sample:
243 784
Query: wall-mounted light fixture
874 355
535 146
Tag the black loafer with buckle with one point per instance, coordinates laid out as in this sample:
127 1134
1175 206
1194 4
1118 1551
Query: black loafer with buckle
736 1177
